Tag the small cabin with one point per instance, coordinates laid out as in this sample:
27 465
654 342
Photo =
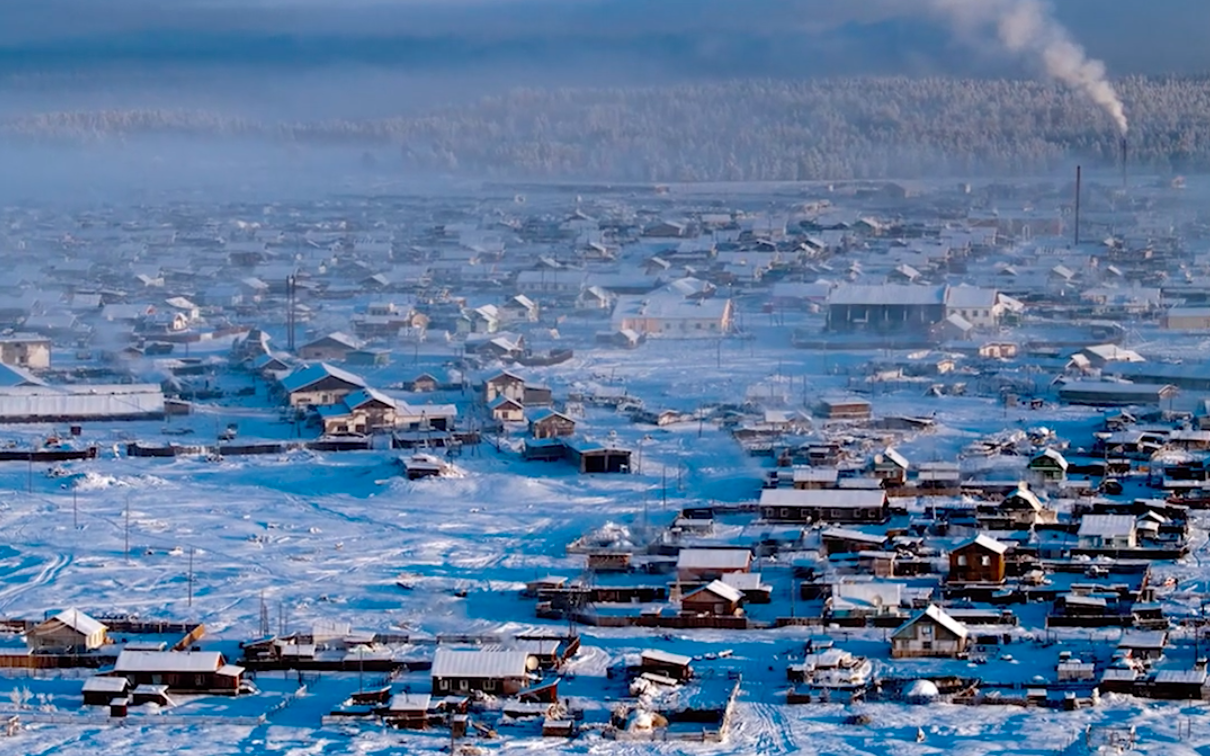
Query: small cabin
978 560
930 633
1050 466
715 598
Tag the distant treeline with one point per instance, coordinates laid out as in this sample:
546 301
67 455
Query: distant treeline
747 130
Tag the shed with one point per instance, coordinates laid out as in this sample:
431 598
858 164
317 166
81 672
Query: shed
101 690
70 630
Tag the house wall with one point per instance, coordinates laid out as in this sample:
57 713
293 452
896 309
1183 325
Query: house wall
508 415
707 604
63 637
552 427
506 686
913 641
315 398
512 389
324 353
184 682
973 564
884 318
822 514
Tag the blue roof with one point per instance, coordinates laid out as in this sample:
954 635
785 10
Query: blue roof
312 374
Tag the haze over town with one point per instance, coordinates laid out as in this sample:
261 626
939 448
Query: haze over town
787 376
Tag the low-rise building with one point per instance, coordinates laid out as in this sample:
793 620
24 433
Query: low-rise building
930 633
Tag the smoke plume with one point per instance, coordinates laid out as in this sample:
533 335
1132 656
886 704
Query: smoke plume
1027 28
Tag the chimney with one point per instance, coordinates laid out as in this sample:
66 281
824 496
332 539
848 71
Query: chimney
1125 150
1078 178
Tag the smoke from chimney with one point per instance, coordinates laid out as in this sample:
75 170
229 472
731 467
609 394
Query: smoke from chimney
1027 28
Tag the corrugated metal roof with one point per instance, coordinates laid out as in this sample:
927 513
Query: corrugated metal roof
193 662
479 664
724 559
90 401
830 498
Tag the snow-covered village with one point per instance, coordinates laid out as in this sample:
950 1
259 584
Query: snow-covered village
492 377
851 468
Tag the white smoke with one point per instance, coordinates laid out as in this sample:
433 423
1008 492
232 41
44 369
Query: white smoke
1027 28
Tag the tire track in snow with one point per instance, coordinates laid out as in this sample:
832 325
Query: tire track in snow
50 570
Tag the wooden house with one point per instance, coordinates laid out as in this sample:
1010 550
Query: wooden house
676 666
408 711
67 631
715 598
547 423
507 410
363 411
180 672
319 384
497 672
335 347
839 506
1049 466
846 541
504 384
890 467
843 409
1107 532
930 633
1023 508
1143 645
978 560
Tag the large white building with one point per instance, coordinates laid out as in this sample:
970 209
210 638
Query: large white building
670 315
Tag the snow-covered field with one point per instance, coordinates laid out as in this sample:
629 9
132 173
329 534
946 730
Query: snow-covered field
325 536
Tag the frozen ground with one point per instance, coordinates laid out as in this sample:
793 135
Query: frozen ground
324 536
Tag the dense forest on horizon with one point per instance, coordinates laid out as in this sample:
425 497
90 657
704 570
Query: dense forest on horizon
738 130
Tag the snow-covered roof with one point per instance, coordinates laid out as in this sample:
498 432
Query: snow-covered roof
938 615
865 595
720 589
986 542
78 621
81 401
105 684
479 664
189 662
829 498
312 374
1106 526
848 534
409 702
665 657
726 559
744 581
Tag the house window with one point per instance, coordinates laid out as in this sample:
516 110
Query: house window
785 512
962 560
985 561
463 685
443 684
926 631
489 684
927 645
199 680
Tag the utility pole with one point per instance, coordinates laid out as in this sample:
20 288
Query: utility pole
127 527
190 577
290 312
